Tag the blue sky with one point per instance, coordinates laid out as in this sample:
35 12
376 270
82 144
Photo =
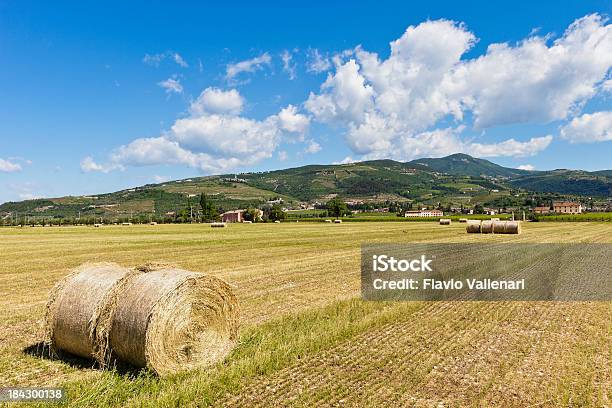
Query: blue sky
94 98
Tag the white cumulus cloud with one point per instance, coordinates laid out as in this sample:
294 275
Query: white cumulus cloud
213 138
215 100
390 105
292 121
589 128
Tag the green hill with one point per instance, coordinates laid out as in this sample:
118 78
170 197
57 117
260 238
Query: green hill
455 180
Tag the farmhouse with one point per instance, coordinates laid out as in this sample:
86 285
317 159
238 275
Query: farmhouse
238 215
232 216
424 213
567 207
541 210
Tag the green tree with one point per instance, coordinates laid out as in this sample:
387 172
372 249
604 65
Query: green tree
276 213
251 214
209 212
337 208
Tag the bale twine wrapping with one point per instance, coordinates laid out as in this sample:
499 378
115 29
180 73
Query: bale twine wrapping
486 227
445 221
473 227
80 308
171 320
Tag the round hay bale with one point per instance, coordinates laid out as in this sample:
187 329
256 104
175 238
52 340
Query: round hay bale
473 227
328 220
337 221
80 308
463 220
499 227
445 221
171 320
486 227
512 227
218 225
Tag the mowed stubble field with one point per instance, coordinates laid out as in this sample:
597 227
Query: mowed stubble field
306 338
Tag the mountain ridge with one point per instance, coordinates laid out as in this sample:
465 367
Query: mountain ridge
457 179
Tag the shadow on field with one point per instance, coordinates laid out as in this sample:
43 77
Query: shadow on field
43 350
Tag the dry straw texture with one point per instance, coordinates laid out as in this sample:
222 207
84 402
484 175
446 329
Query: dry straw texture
445 221
80 309
486 227
473 227
171 320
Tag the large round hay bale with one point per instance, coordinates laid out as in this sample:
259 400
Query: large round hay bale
80 309
486 227
445 221
512 227
171 320
473 227
499 227
463 220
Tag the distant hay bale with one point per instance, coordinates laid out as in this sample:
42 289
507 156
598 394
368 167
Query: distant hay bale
171 320
328 221
512 227
499 227
486 227
463 220
153 223
277 222
494 219
247 222
126 223
473 227
97 225
80 309
445 221
218 225
337 221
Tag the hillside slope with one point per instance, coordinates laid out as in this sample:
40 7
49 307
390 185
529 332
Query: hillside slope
457 180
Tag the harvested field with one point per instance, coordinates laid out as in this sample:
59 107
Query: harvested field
306 337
